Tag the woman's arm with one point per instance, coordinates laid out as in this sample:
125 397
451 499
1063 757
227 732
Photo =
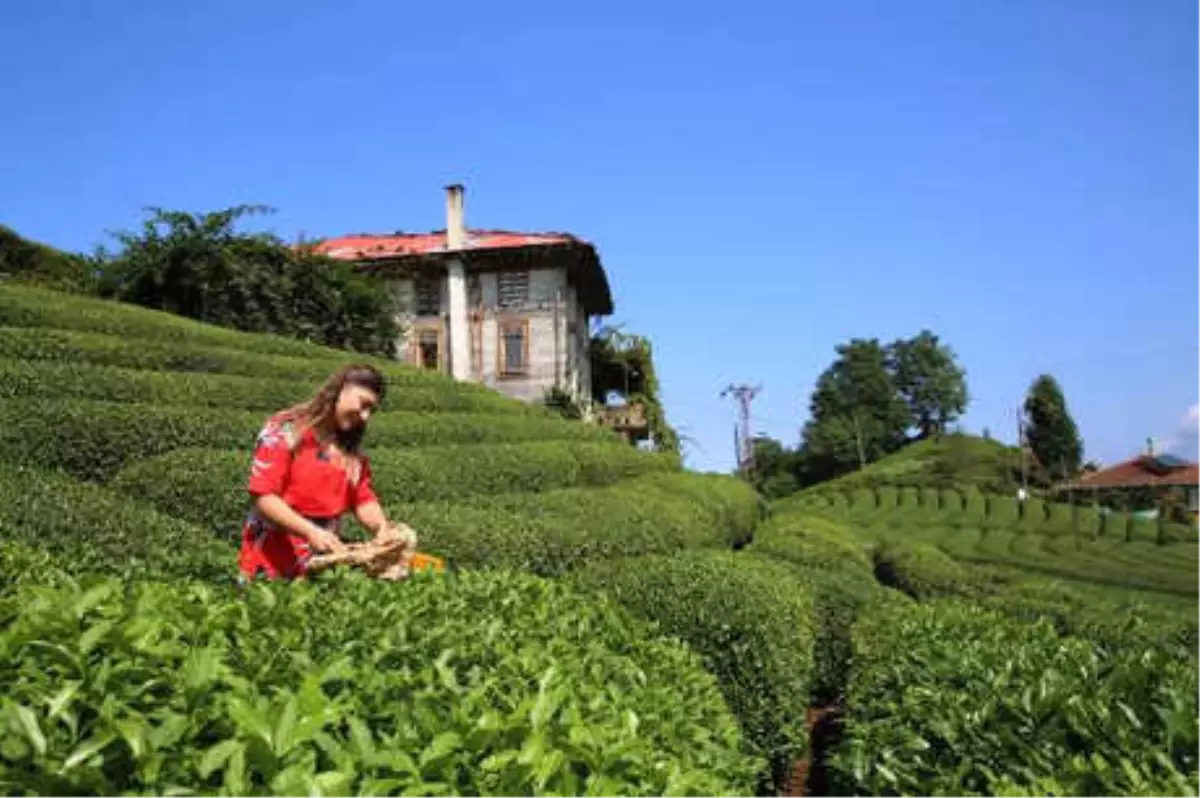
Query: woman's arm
371 516
273 508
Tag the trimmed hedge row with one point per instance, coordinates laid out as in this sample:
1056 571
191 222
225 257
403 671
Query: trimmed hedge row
553 532
54 380
208 486
547 533
91 529
923 571
966 506
838 572
22 306
749 618
40 344
94 440
952 699
481 684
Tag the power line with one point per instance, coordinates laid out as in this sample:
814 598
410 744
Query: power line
743 442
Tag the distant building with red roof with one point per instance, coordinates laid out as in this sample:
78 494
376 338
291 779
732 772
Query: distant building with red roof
508 309
1155 473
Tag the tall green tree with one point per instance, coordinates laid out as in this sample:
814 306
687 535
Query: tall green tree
775 467
930 381
203 267
856 415
1050 430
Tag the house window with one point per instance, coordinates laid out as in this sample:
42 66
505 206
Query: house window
427 348
513 289
514 348
429 296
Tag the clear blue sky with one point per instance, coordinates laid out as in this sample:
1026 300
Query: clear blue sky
1018 175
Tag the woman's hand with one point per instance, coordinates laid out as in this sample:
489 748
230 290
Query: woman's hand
323 541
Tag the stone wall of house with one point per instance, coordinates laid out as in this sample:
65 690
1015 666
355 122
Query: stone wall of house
556 324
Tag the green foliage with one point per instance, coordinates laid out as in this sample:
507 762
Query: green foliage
210 486
485 684
22 306
856 414
42 344
90 529
562 403
776 468
624 364
950 698
1050 430
54 380
27 262
544 532
751 621
868 399
837 571
200 267
94 440
920 570
945 461
930 381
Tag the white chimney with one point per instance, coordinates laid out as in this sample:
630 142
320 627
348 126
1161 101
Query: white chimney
456 230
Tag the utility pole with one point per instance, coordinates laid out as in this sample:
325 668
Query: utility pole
1021 444
742 440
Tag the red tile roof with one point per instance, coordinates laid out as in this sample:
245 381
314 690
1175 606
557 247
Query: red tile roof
369 247
1136 473
494 246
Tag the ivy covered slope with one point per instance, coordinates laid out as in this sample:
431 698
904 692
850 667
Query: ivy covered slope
125 441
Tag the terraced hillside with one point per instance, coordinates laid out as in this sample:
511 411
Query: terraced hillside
610 624
1044 649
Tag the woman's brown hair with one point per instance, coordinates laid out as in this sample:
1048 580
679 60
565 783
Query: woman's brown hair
318 411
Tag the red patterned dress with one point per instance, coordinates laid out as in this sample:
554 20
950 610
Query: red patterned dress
292 463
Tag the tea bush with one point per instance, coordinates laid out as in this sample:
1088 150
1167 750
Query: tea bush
94 440
22 306
951 698
749 618
544 532
837 572
55 380
88 528
209 487
921 570
42 344
482 684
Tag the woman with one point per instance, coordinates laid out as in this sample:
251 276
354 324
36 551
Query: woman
308 471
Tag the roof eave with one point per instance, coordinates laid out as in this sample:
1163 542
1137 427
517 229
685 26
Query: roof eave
581 261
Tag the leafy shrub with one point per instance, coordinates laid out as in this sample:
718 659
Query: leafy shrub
921 570
750 620
94 440
838 573
22 306
91 529
209 486
54 380
951 698
483 684
544 532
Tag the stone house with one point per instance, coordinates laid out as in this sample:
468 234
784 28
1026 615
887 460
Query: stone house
511 310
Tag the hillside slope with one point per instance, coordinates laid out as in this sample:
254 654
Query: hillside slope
610 623
944 462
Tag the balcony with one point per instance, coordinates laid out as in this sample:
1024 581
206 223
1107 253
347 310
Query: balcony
627 420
